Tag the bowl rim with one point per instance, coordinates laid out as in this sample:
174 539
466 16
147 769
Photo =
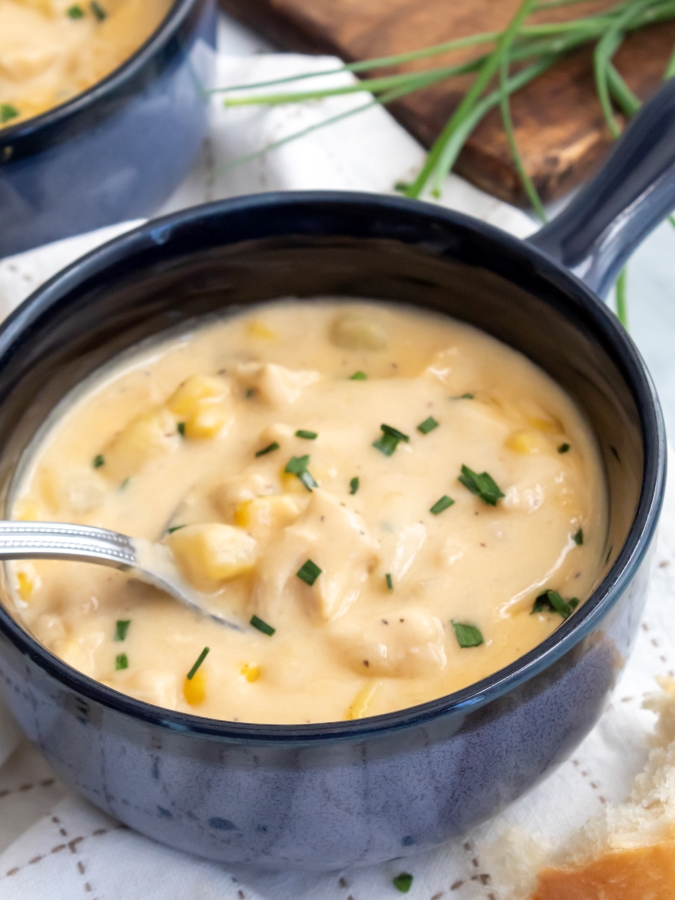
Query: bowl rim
179 9
157 232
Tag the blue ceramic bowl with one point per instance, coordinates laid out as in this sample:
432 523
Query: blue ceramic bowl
118 150
331 795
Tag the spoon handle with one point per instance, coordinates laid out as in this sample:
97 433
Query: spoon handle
58 540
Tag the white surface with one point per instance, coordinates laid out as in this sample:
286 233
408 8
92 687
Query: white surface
54 845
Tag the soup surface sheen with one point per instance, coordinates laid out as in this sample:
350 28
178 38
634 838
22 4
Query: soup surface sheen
52 50
302 461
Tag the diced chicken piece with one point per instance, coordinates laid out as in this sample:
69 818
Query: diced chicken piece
359 331
400 550
77 490
399 642
274 384
454 369
147 437
264 517
337 541
210 554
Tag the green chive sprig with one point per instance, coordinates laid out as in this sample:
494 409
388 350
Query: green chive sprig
551 601
121 629
200 659
467 635
389 582
270 448
75 12
8 112
482 486
578 537
98 461
354 485
121 662
262 626
358 376
297 465
403 882
306 435
428 425
308 572
440 505
389 440
98 11
564 448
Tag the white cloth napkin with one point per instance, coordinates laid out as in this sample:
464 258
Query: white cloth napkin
56 846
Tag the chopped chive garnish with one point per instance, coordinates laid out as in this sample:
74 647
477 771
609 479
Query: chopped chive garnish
563 448
390 439
262 626
175 528
551 601
297 465
465 397
483 485
200 659
309 572
306 435
428 425
579 537
75 12
403 882
7 112
268 449
467 635
121 661
358 376
98 10
354 485
250 392
441 504
390 583
180 428
121 628
125 483
98 461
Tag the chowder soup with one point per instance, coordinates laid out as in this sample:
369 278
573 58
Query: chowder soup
392 503
52 50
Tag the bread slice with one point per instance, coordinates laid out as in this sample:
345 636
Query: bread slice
627 852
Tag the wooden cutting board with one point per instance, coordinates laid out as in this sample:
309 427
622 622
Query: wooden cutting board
559 125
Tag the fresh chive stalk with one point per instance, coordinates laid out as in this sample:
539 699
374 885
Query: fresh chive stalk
121 662
180 428
467 635
354 485
175 528
441 505
297 465
403 882
308 572
121 629
270 448
564 448
482 486
98 461
579 537
306 435
262 626
551 601
75 12
428 425
358 376
98 11
389 440
200 659
390 582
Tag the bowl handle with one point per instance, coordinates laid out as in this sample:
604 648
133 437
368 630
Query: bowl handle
631 194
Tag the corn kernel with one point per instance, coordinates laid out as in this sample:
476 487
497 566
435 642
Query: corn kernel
210 554
27 510
194 689
266 514
291 483
360 703
250 673
548 426
26 583
526 442
206 422
196 389
258 329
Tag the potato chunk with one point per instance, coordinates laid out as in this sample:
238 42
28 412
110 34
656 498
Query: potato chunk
359 331
195 390
405 642
210 554
265 516
147 437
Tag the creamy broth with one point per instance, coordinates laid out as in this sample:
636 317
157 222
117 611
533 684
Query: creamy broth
52 50
390 491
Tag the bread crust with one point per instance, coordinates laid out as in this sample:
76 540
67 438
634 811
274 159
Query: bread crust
641 873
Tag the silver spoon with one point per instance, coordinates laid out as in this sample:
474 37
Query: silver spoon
151 563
